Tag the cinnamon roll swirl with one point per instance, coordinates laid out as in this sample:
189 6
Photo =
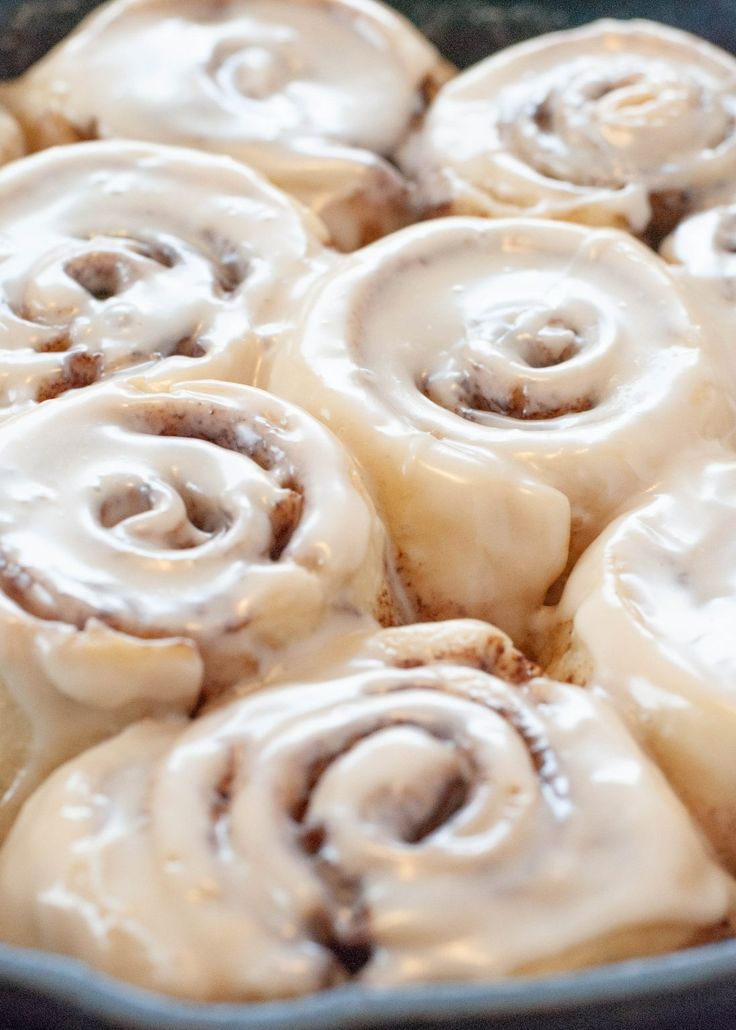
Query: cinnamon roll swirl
623 123
196 532
506 386
389 826
648 615
121 256
316 94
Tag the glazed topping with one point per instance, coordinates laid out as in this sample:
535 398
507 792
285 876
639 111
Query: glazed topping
705 244
654 598
545 346
647 616
313 93
248 72
389 826
597 118
120 255
526 331
209 521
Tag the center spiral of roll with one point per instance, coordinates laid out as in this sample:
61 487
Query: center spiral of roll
521 325
120 256
504 366
520 361
259 67
197 518
611 125
389 777
621 123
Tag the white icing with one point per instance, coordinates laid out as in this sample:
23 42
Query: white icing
220 862
653 604
313 93
702 251
705 244
158 545
116 256
503 384
583 124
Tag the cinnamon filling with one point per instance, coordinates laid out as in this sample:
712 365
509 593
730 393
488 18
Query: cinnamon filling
495 659
518 405
343 926
285 517
253 439
80 369
102 274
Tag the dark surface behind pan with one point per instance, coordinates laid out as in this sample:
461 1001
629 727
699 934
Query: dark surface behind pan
465 30
694 990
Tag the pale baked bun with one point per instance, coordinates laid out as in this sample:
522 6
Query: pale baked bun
316 94
126 257
622 123
647 617
196 534
387 826
506 386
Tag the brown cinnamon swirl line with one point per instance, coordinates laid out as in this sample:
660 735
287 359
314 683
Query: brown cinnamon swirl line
622 123
120 257
507 386
203 530
386 825
316 94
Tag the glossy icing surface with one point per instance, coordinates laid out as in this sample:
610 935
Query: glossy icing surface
494 379
705 244
117 257
651 606
313 93
308 800
586 124
200 530
392 825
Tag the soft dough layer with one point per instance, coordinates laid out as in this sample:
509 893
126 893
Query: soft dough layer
506 386
623 123
126 256
316 94
156 547
392 825
648 617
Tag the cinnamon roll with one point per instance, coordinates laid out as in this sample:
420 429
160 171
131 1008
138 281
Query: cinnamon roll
121 256
156 547
316 94
623 123
647 617
389 826
506 386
